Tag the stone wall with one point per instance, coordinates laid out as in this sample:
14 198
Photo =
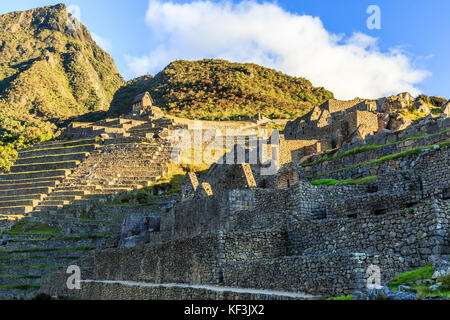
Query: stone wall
414 233
241 246
338 164
327 275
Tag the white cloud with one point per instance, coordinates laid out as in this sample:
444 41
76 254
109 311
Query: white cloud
75 10
265 34
105 44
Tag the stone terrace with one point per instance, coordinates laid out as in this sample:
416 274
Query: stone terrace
64 185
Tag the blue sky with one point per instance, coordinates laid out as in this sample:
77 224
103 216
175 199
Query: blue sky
336 50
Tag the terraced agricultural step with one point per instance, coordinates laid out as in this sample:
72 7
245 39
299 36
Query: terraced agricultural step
115 190
52 242
110 122
58 151
39 260
35 175
44 166
139 173
62 144
14 294
47 202
48 253
140 179
13 192
128 164
19 279
38 197
18 203
48 207
21 181
120 157
63 187
62 198
16 210
70 193
50 184
134 183
53 158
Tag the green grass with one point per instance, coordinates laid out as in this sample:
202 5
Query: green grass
349 297
24 227
44 267
422 289
86 248
411 276
87 237
113 213
368 148
22 258
383 159
20 286
333 182
146 196
19 276
30 239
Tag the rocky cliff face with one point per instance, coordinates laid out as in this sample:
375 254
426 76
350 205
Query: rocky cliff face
50 70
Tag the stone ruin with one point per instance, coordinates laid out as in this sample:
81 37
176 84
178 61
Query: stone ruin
236 232
279 235
336 122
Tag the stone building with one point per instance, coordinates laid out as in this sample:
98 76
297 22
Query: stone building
142 102
331 124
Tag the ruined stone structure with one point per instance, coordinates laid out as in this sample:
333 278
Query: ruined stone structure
335 123
284 237
236 230
331 124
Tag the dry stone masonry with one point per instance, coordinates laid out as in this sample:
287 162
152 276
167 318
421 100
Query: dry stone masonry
234 232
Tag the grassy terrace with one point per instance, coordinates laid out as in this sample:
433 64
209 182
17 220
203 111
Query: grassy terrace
36 164
62 143
53 155
62 147
86 248
382 159
349 297
32 228
20 286
64 238
368 148
333 182
18 276
45 267
408 278
21 258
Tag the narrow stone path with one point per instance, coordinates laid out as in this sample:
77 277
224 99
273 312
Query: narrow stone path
280 294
